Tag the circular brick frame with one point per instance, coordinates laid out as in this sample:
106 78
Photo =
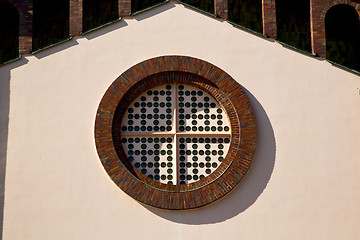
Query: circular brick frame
187 70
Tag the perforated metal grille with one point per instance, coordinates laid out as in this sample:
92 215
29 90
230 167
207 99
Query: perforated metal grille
175 134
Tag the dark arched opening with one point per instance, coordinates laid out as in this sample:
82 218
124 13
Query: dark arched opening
50 22
99 12
9 32
293 23
139 5
247 13
343 36
205 5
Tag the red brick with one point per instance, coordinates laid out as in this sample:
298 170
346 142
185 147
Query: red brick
162 70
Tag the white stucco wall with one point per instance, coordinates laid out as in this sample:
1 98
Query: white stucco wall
304 183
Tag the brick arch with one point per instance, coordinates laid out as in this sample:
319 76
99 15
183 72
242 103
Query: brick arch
319 9
342 35
25 9
21 6
338 2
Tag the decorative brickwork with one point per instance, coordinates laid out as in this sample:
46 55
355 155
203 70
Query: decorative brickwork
269 18
319 9
76 17
124 8
186 70
221 8
25 9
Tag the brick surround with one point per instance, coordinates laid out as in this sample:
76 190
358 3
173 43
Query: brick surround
187 70
76 17
124 8
318 10
269 18
221 8
25 9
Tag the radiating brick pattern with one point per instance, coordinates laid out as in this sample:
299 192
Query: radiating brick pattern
269 18
167 70
319 9
76 17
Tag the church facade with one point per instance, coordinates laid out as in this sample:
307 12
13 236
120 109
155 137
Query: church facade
286 168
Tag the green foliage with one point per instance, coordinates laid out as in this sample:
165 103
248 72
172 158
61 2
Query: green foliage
98 12
138 5
293 23
205 5
9 32
343 36
247 13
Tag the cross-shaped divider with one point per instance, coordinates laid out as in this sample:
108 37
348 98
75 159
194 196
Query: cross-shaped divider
188 149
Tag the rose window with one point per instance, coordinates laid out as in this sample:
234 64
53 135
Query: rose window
175 134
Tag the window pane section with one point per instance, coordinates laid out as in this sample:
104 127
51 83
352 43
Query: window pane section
151 112
175 134
98 12
200 156
152 156
51 22
9 32
205 5
293 23
247 13
199 112
342 36
138 5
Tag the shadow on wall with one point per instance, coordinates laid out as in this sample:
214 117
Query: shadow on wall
102 30
248 191
155 10
4 122
58 47
98 32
